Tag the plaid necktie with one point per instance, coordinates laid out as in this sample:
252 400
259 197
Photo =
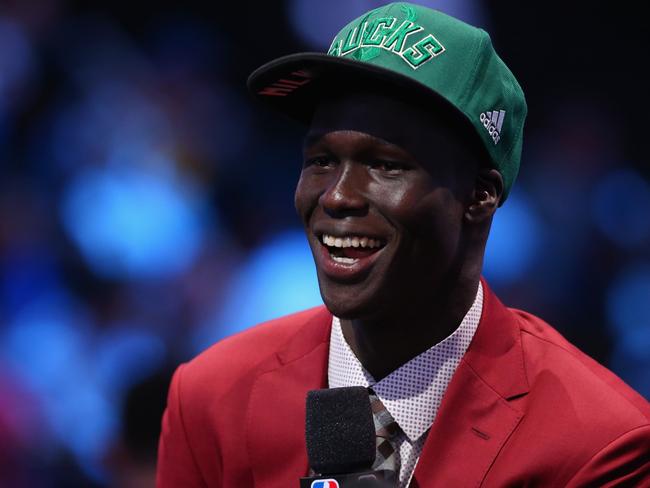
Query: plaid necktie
387 430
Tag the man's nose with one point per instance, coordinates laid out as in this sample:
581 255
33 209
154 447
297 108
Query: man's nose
345 193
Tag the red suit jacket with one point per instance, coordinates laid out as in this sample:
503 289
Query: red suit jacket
524 408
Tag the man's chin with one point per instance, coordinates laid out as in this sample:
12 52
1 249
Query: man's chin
362 300
350 307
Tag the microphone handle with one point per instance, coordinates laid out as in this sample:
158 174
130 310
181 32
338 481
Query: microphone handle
362 479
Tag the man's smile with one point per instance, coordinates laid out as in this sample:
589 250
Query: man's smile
347 256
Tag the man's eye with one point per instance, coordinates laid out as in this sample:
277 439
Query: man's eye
319 161
388 166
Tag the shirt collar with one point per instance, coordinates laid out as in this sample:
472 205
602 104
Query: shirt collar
413 392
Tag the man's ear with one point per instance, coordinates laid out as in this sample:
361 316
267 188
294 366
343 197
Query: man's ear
486 195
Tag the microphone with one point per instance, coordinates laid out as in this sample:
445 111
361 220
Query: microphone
340 435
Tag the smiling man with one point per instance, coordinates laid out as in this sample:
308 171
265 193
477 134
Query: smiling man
385 188
414 140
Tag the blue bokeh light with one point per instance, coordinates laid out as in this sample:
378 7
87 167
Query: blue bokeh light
318 22
631 361
114 121
628 311
49 347
619 209
85 420
515 240
128 354
26 273
78 374
132 222
278 278
45 340
628 300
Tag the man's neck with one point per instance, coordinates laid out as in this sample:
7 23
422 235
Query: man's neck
383 344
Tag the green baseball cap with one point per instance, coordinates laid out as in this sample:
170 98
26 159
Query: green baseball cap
413 48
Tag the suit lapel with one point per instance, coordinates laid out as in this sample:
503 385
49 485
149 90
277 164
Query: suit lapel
475 418
275 425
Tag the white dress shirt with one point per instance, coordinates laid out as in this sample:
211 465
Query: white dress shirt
413 392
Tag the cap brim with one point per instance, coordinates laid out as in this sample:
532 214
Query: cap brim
295 84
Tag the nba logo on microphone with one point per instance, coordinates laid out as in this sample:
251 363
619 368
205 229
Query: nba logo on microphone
325 484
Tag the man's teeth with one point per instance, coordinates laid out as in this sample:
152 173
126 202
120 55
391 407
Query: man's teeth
344 260
350 241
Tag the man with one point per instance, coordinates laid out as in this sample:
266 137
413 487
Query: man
415 133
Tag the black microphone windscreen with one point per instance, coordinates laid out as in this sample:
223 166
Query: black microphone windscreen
340 430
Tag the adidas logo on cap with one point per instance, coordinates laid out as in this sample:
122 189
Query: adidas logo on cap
493 121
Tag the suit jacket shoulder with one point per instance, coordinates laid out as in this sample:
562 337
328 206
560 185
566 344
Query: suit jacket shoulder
551 359
204 429
582 425
226 363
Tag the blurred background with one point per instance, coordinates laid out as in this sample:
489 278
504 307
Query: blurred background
146 204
